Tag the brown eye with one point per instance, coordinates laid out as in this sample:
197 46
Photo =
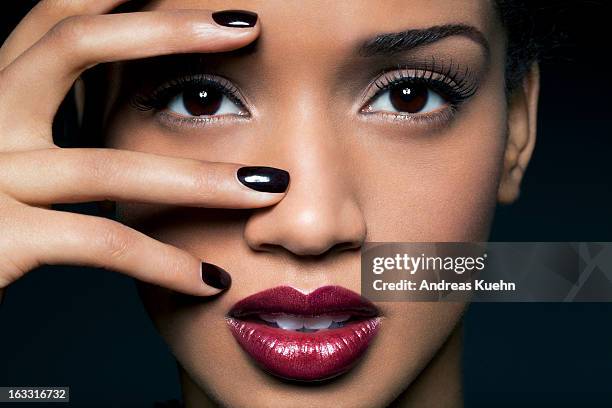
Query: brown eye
407 98
410 98
202 101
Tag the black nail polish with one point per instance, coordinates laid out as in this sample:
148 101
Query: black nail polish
235 18
265 179
216 277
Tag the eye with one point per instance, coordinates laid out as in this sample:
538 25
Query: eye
203 100
407 97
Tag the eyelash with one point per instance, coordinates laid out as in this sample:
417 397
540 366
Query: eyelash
159 98
454 84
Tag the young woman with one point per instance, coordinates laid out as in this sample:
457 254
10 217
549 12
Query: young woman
267 141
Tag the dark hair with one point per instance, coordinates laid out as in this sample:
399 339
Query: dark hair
523 45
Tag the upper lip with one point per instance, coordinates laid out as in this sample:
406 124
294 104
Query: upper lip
324 300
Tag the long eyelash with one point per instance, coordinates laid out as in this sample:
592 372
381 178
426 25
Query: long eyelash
159 98
454 83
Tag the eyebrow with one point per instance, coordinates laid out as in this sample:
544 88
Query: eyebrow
389 44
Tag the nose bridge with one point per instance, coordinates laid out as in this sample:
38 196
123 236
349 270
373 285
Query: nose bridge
319 211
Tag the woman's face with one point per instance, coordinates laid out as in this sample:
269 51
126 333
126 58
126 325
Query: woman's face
399 140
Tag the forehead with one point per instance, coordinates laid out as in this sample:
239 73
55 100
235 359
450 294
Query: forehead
314 23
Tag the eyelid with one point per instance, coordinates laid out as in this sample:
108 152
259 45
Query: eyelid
161 95
451 79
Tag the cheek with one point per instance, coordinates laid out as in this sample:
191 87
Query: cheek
434 187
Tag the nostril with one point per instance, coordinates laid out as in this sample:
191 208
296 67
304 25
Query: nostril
345 246
302 251
266 248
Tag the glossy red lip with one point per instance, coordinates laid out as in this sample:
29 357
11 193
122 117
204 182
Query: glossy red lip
304 355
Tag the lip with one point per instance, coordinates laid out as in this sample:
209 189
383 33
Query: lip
299 355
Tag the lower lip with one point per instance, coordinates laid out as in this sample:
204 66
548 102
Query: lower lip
303 356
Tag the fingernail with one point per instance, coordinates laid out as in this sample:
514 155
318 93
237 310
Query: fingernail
265 179
235 18
216 277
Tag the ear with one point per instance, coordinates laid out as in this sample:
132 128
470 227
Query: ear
522 129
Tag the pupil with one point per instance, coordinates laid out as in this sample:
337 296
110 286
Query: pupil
410 98
202 101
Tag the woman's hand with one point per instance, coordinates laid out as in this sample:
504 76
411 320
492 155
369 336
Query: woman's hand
39 63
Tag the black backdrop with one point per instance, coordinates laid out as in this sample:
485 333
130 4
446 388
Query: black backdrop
86 328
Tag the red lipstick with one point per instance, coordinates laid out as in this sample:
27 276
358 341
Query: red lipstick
304 337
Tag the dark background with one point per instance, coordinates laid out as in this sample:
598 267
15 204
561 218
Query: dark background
84 328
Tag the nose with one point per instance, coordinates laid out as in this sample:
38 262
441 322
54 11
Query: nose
319 213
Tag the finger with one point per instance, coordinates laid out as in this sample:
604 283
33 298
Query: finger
42 17
37 81
42 177
61 238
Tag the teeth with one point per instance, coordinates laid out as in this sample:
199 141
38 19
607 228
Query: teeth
319 322
268 318
288 322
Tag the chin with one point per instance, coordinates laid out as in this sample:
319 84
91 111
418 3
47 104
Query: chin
230 355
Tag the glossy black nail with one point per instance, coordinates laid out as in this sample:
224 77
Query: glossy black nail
265 179
235 18
216 277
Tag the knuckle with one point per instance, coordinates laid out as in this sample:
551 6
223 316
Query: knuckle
57 7
116 242
72 32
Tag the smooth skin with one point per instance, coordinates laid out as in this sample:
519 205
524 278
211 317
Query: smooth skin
354 178
36 173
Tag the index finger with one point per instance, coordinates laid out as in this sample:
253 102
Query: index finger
42 17
49 68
